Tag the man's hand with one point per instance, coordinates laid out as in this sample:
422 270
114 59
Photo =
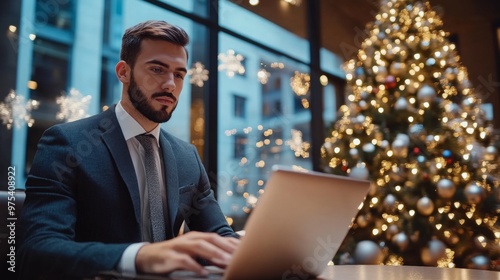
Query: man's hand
179 253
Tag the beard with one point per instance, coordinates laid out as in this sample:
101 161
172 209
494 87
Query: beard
140 102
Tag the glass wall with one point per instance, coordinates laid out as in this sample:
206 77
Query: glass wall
262 120
262 75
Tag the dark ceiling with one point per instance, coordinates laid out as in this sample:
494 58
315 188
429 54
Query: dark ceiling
342 20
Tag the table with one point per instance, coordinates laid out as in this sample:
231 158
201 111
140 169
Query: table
384 272
353 272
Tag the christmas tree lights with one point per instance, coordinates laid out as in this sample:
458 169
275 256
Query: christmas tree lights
415 128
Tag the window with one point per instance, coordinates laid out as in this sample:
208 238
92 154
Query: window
240 143
49 81
264 138
239 106
55 13
197 7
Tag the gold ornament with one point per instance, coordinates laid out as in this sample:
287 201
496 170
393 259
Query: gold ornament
490 153
474 193
446 188
401 240
434 251
425 206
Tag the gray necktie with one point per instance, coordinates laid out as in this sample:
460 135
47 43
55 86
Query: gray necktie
153 185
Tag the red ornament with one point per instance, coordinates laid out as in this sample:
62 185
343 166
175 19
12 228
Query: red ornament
390 82
449 161
416 150
344 168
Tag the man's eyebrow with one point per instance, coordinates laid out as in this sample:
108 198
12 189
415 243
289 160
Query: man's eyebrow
155 61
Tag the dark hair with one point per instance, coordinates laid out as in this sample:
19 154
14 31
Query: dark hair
154 30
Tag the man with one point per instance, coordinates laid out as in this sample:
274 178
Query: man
87 207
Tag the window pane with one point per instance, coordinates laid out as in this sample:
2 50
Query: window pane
274 130
197 7
55 13
275 24
49 79
239 106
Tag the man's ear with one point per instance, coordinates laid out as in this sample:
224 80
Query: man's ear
122 70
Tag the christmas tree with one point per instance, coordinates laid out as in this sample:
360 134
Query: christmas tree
414 127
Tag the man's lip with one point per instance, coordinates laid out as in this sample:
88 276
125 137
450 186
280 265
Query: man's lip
165 100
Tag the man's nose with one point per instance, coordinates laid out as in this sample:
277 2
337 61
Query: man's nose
168 83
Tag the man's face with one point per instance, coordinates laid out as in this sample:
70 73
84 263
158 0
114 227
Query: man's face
157 78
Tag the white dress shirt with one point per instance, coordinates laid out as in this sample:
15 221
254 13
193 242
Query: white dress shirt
131 128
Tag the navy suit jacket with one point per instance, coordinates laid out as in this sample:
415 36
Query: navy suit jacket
82 205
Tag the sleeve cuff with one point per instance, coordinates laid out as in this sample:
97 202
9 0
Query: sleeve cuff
127 261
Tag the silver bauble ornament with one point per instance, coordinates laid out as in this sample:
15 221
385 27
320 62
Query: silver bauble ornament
430 140
360 73
417 133
359 172
453 110
390 202
381 74
474 193
450 73
490 153
365 95
425 206
434 251
465 84
426 93
401 240
401 104
479 262
425 44
363 104
399 148
446 188
468 104
384 144
354 153
368 148
398 174
477 154
368 252
411 87
362 221
358 122
391 231
328 147
397 68
430 62
404 137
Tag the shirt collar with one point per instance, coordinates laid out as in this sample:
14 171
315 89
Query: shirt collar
130 127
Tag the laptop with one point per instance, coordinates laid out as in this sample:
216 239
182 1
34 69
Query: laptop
294 230
297 225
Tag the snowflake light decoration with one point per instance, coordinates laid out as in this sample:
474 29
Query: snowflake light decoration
298 145
263 76
16 111
198 73
231 63
73 106
300 83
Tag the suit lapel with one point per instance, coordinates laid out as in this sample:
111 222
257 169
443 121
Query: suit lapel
115 141
171 179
